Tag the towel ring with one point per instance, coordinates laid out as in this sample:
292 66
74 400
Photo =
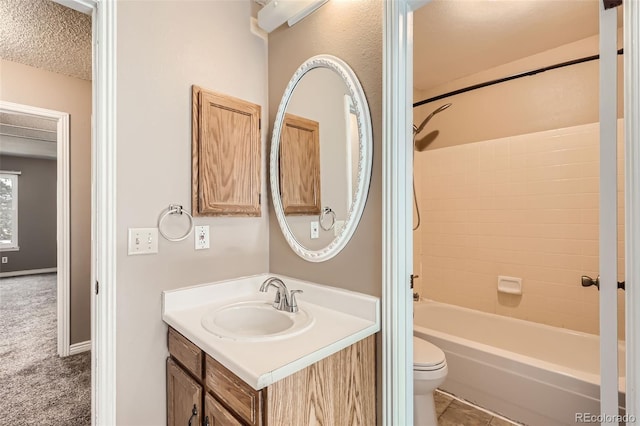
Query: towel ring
175 209
323 214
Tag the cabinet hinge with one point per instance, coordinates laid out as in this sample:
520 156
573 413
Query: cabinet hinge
97 287
260 198
259 123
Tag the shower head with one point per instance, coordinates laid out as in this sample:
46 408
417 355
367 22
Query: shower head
418 129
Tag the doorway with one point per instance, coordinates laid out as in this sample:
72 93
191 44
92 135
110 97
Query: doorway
398 46
36 286
28 147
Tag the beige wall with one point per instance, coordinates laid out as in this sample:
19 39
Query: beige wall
36 87
163 48
523 206
326 90
352 31
551 100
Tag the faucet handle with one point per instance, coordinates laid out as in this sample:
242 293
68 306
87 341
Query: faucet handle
293 305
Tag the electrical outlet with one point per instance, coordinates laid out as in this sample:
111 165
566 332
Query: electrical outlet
143 241
202 237
5 259
314 230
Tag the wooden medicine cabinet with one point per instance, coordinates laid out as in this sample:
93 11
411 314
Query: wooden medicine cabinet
225 155
300 166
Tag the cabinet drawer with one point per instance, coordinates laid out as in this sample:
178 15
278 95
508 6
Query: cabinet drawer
216 415
241 398
188 354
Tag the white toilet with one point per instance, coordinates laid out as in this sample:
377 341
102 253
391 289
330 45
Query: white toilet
429 372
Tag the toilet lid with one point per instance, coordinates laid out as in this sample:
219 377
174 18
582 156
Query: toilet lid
426 356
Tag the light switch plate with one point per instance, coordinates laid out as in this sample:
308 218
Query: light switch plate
314 230
202 237
143 241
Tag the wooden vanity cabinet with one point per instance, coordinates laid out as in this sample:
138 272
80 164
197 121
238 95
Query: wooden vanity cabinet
216 415
234 393
184 397
226 399
337 390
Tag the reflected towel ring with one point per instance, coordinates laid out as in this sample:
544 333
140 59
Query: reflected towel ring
325 211
175 209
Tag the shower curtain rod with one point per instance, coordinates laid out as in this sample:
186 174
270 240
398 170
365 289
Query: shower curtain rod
512 77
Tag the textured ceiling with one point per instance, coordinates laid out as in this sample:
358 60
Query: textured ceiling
46 35
456 38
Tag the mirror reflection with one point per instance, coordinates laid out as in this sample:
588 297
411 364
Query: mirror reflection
318 158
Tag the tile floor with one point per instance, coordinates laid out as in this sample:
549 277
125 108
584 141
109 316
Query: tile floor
452 412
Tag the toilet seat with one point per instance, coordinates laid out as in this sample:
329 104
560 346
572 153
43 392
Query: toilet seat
427 356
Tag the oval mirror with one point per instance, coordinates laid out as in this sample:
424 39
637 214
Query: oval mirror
321 153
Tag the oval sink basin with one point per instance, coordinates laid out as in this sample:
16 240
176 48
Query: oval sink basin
255 320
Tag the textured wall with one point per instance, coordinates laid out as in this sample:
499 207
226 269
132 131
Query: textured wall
524 206
32 86
164 48
351 31
36 214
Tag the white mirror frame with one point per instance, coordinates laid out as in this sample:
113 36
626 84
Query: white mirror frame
365 135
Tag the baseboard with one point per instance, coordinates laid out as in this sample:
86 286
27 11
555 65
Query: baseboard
28 272
77 348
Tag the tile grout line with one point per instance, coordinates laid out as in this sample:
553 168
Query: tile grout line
453 397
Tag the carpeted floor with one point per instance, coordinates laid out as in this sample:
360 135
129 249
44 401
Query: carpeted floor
36 386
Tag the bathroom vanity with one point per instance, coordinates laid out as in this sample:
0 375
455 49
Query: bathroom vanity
242 354
322 372
339 389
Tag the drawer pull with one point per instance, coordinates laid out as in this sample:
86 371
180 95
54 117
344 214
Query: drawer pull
194 413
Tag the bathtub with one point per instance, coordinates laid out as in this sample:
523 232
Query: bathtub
531 373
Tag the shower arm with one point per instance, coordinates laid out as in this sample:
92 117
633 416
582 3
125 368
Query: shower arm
417 130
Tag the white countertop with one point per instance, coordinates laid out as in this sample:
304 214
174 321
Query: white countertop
342 318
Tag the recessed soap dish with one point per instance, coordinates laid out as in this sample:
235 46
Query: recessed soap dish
509 285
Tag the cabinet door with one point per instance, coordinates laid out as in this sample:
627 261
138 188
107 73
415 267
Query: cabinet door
226 155
216 415
184 397
300 166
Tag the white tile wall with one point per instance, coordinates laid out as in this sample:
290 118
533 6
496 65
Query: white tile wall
524 206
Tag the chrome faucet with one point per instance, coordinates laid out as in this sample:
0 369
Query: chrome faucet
285 300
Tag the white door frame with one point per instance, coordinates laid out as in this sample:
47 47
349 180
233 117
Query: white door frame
397 169
608 245
397 215
632 202
103 208
63 299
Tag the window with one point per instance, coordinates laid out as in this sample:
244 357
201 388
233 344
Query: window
9 210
